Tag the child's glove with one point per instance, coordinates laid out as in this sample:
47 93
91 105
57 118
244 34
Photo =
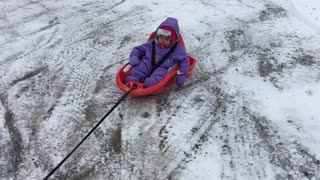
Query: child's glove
134 61
180 79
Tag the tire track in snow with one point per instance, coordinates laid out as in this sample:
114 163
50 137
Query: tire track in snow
291 157
39 12
15 136
12 57
6 170
236 129
100 12
238 149
198 134
29 75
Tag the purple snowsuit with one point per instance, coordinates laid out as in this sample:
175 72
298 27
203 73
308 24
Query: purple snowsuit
140 59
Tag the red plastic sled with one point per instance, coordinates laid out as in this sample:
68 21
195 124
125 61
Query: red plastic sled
157 88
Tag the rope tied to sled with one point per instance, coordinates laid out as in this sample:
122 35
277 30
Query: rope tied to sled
91 131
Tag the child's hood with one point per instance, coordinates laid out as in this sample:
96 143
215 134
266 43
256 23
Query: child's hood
171 22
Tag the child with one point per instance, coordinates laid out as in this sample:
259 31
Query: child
152 60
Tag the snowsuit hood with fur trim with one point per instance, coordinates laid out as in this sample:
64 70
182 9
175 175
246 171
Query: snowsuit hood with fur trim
172 23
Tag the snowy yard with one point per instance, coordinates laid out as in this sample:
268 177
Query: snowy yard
250 111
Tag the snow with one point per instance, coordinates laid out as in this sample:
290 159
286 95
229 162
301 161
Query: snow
249 110
309 12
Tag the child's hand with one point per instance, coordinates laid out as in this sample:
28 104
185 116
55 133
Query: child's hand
180 79
134 61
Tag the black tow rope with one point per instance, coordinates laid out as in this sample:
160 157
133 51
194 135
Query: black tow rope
94 128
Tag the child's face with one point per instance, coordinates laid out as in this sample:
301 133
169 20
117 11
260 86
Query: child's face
164 41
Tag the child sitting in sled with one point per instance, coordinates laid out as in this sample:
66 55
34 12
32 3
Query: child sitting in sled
152 60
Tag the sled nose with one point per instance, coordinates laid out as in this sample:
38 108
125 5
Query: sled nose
135 85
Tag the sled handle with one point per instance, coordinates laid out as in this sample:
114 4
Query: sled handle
126 68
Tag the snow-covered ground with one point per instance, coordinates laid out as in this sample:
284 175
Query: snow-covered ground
308 11
249 111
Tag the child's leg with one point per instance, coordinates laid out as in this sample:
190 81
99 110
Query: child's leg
156 77
134 77
138 73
